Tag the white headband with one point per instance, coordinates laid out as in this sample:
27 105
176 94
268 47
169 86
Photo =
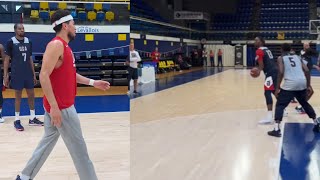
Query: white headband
62 20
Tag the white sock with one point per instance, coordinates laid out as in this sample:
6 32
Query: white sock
269 115
315 121
299 106
17 115
0 110
276 126
32 114
24 177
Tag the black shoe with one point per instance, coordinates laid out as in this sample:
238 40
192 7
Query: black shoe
35 122
18 126
275 133
18 178
135 92
316 128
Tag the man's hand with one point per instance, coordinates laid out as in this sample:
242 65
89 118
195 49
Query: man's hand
103 85
35 80
56 117
276 93
309 91
6 81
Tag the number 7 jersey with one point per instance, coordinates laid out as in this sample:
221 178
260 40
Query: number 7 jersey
270 65
20 58
294 77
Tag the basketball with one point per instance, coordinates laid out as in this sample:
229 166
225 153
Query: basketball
254 72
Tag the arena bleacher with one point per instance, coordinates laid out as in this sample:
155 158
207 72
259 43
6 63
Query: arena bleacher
271 17
107 63
92 13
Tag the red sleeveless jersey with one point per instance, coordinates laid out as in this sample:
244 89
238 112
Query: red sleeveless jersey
63 80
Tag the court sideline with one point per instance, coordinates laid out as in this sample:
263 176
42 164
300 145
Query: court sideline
208 128
104 118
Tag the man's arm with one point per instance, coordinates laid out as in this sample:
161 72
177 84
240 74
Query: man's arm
306 73
51 56
138 57
83 80
32 67
259 58
7 59
135 59
31 62
2 54
280 72
99 84
311 52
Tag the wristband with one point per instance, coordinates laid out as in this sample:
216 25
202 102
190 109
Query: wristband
91 82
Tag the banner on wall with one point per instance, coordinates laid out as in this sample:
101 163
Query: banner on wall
191 15
40 28
238 55
99 29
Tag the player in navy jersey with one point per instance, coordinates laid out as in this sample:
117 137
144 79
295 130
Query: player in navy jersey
306 55
268 65
19 51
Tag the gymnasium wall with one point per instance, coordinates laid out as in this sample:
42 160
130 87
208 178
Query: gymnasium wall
101 41
163 46
87 38
228 56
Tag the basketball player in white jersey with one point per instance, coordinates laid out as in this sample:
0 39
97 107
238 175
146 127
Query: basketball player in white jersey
296 84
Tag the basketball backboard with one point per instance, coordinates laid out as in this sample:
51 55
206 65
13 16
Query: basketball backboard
314 26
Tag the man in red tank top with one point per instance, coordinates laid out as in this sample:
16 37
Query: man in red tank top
59 80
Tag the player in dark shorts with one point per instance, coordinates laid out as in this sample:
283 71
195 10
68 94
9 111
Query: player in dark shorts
306 56
296 83
268 65
2 55
19 51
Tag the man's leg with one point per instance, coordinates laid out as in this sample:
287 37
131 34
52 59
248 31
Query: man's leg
303 100
129 77
17 102
71 134
300 109
17 84
283 101
269 102
44 148
135 79
33 121
29 86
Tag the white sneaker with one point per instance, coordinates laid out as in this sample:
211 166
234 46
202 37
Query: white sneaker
1 120
266 121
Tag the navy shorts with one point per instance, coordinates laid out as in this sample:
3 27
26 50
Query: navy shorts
18 83
133 73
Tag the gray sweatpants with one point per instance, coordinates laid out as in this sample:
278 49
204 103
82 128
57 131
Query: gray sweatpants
71 134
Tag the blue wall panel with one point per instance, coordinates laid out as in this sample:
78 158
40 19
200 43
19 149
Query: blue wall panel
163 46
101 41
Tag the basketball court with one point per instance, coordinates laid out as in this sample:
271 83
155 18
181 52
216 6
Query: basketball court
207 127
104 118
